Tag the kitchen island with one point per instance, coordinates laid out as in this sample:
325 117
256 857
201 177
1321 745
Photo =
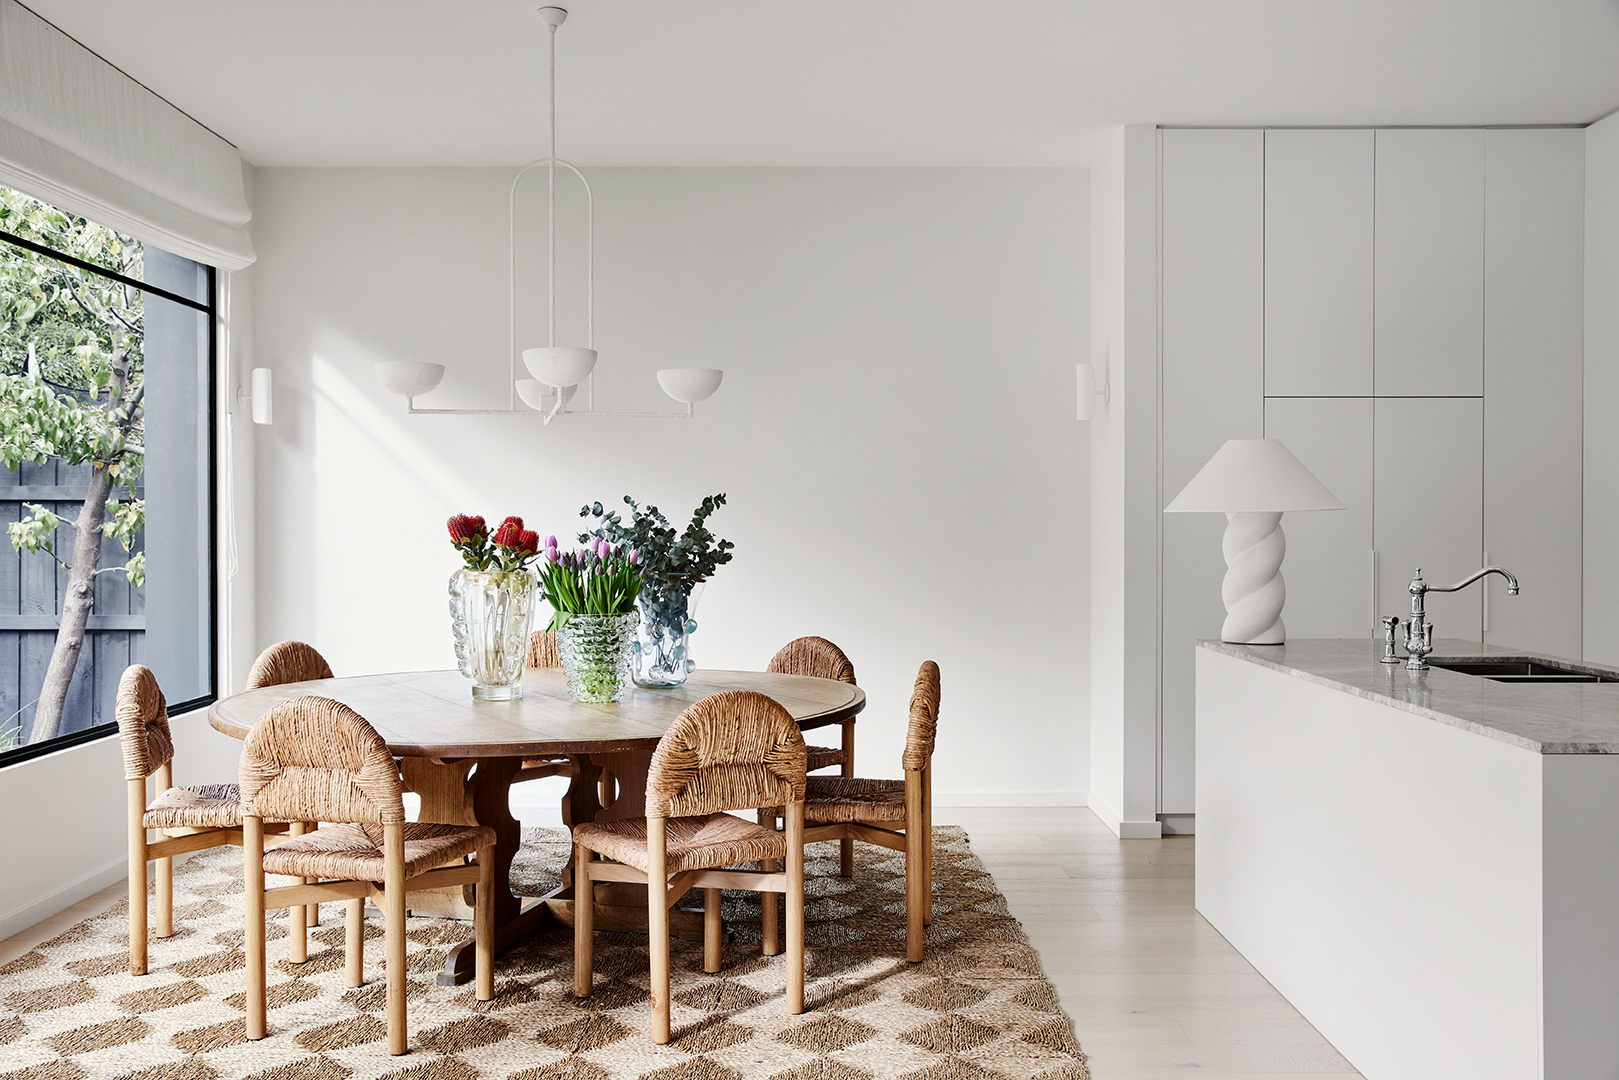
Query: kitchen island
1425 864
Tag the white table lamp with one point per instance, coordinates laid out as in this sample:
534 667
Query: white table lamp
1252 482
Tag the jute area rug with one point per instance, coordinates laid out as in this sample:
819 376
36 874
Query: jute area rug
978 1008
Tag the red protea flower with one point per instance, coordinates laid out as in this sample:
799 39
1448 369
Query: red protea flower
465 529
510 534
529 541
513 520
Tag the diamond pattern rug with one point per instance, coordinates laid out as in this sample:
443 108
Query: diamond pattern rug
978 1008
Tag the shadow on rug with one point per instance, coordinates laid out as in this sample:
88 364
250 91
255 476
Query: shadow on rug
977 1008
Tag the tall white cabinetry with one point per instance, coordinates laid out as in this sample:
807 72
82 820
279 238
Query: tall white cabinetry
1402 308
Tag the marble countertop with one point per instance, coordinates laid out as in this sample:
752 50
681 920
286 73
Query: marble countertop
1554 718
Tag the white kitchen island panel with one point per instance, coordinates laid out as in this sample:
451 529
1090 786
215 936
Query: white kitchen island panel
1435 895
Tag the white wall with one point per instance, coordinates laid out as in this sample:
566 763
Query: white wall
1602 391
1124 483
896 429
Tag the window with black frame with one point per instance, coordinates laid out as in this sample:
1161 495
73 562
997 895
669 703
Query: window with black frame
106 361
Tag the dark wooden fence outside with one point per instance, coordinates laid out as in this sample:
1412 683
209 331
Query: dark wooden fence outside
31 591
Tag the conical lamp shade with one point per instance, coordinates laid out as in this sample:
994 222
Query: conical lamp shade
1253 474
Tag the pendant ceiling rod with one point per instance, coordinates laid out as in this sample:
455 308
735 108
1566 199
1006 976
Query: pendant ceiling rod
553 19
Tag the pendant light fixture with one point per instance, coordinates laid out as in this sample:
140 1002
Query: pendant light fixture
557 370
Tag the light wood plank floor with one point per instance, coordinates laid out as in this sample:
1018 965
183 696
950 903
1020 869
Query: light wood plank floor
1154 991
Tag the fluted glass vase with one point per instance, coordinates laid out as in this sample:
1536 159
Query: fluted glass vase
662 649
490 616
596 654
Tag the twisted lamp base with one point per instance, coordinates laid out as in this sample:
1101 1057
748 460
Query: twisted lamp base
1253 589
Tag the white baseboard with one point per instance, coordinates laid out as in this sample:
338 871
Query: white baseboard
17 921
1126 830
1010 798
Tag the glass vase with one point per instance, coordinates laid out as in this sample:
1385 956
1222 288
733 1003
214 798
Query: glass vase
490 616
596 654
662 650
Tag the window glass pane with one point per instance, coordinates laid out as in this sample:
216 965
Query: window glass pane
105 414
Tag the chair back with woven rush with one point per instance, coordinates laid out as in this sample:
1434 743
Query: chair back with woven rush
287 662
895 814
820 658
209 816
543 651
312 758
735 750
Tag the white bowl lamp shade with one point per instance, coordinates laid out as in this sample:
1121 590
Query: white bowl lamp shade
409 378
1253 481
560 365
540 397
689 384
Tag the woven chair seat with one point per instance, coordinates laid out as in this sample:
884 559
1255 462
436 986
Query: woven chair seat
693 843
354 852
848 798
215 806
822 757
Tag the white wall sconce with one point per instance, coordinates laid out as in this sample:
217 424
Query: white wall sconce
558 370
1252 482
1088 392
260 395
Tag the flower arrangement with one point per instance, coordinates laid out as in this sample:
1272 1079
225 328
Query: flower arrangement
509 549
690 556
598 579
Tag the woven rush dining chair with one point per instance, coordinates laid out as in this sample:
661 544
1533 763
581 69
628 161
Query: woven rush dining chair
895 814
287 662
822 659
185 818
312 757
733 750
282 663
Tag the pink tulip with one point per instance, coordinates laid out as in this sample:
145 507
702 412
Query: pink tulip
635 557
551 542
553 554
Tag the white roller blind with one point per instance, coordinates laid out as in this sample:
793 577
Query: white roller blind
77 132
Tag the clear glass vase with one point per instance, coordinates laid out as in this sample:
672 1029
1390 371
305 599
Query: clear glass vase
490 616
662 650
596 654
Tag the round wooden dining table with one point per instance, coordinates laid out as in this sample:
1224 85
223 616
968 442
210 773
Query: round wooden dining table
461 757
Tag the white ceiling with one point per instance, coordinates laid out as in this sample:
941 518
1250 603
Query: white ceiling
837 82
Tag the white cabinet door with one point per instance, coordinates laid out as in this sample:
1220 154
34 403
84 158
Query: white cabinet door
1318 263
1429 285
1533 380
1428 506
1328 568
1213 343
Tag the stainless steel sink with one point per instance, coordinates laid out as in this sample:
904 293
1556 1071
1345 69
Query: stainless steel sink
1521 671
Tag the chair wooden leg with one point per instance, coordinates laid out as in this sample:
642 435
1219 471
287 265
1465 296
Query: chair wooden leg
393 907
165 894
927 846
297 921
313 910
483 926
795 908
253 924
915 883
354 941
712 930
846 850
163 780
584 919
658 925
769 905
137 877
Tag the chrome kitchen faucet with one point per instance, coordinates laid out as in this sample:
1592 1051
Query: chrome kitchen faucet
1418 631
